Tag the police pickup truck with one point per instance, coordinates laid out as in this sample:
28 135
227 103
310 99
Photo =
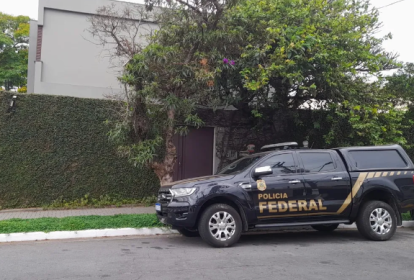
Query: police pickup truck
371 186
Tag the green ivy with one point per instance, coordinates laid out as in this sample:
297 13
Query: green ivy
57 148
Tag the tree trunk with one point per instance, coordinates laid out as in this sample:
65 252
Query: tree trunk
139 118
165 169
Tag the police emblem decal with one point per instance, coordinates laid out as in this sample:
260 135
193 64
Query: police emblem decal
261 185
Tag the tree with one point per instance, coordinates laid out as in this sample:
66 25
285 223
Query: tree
166 81
260 56
316 54
371 119
295 51
14 42
174 75
381 114
401 85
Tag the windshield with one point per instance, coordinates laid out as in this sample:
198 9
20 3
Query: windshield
240 165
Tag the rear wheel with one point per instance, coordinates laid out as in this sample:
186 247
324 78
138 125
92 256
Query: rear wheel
188 232
220 225
326 228
377 221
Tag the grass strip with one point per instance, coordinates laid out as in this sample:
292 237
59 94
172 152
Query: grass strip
79 223
89 222
406 216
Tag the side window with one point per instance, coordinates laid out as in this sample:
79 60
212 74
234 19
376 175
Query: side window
281 164
317 162
378 159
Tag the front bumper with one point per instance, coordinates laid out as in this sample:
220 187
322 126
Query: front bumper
177 215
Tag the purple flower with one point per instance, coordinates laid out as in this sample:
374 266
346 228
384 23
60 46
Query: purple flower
232 62
225 60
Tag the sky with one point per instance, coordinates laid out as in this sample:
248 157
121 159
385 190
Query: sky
397 19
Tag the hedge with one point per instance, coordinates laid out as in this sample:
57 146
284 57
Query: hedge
55 147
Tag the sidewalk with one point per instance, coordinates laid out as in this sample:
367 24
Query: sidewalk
39 213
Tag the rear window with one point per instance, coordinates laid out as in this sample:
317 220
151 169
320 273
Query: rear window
377 159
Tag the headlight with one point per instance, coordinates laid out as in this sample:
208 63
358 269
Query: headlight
182 192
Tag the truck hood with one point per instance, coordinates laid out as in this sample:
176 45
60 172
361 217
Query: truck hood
194 181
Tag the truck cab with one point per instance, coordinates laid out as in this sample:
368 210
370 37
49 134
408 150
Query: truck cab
371 186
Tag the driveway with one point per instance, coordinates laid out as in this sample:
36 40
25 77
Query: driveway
283 255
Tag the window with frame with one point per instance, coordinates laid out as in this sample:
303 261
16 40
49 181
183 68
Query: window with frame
317 162
377 159
280 164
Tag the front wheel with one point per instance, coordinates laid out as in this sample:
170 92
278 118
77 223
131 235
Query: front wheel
326 228
377 221
220 225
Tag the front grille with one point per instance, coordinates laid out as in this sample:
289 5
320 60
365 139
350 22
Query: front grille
164 196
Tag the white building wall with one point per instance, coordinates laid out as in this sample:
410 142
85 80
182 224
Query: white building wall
71 64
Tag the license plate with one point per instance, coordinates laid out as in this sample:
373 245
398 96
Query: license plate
158 207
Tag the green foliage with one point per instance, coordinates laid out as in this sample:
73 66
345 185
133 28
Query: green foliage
79 223
57 148
407 216
14 39
379 114
306 50
401 85
169 79
367 124
102 201
320 53
263 56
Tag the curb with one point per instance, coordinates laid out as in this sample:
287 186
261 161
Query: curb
56 235
96 233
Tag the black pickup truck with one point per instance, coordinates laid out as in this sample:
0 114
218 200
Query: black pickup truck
371 186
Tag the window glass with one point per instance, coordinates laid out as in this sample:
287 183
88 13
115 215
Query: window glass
317 162
281 164
378 159
240 165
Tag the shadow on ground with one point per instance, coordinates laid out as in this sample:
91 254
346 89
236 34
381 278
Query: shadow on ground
303 238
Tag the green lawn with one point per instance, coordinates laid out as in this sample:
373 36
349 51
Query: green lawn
79 223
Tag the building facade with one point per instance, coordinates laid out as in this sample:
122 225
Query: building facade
64 58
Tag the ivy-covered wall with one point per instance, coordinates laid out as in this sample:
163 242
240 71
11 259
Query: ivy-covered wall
53 147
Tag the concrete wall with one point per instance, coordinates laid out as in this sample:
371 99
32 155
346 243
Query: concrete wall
71 64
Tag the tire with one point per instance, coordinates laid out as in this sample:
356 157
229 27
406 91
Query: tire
377 230
222 235
326 228
188 232
412 214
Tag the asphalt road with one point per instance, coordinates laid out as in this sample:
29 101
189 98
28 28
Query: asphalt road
284 255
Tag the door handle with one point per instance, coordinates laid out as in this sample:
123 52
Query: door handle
245 186
294 182
336 178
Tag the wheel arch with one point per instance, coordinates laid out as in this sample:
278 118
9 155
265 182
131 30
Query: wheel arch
225 200
384 195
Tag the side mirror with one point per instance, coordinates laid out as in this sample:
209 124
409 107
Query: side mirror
263 171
